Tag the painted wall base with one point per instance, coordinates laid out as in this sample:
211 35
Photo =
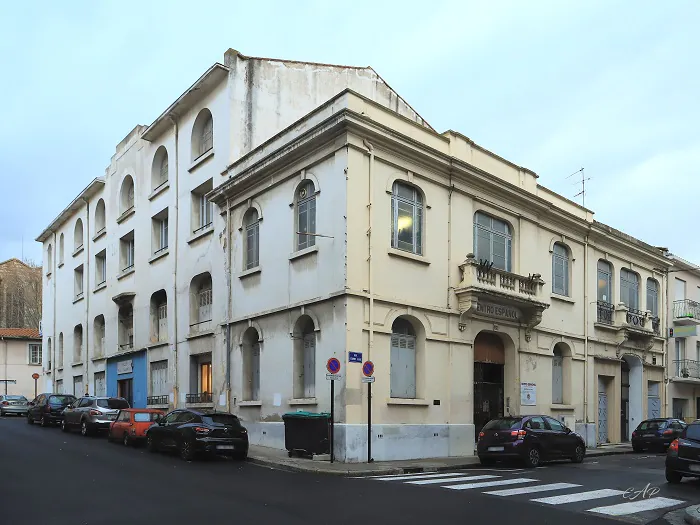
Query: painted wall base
389 443
588 432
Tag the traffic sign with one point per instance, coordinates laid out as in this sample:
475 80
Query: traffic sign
35 376
333 365
368 368
355 357
368 379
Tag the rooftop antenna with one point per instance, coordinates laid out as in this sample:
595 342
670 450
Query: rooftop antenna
582 182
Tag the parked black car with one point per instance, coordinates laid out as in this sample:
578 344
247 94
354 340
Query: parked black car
532 439
683 455
48 409
656 433
190 432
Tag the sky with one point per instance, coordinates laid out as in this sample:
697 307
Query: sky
552 85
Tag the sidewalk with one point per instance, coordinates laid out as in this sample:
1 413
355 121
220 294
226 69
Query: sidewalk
272 457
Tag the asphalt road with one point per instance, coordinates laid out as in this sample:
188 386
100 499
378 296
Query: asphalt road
52 478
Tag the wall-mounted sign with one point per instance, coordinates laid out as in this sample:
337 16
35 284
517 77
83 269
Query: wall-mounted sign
125 367
684 331
528 394
497 310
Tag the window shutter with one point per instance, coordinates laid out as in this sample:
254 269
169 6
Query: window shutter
255 370
309 365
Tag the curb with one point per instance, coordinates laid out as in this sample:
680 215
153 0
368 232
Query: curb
388 471
692 515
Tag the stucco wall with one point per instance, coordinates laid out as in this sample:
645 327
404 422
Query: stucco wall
14 364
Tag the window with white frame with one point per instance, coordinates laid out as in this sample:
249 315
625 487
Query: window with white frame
202 209
402 370
560 269
251 224
127 251
34 353
629 289
78 235
306 215
78 285
407 218
101 267
202 134
492 241
653 297
159 239
159 378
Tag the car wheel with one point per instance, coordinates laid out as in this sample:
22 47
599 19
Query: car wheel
126 439
673 477
187 450
84 429
64 426
30 420
532 458
579 454
637 448
151 444
487 461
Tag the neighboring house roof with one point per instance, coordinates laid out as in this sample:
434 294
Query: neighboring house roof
20 333
16 260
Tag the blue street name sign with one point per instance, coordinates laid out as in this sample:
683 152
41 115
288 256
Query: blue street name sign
355 357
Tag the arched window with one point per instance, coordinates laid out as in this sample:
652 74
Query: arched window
653 297
60 350
557 377
251 224
159 170
403 359
629 289
49 259
407 218
306 215
100 219
304 336
202 134
126 196
78 235
49 355
159 317
60 249
604 282
201 302
78 343
492 241
251 365
99 335
560 269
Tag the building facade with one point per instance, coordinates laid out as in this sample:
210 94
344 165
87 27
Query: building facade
280 214
20 358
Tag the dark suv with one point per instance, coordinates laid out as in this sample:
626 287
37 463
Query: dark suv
683 455
529 438
48 408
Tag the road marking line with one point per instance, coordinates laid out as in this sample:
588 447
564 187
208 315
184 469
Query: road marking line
579 496
417 476
450 480
535 488
467 486
632 507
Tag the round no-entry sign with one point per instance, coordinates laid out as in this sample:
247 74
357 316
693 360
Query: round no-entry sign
35 376
333 365
368 368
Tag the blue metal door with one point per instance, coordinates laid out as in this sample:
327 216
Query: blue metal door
653 407
602 417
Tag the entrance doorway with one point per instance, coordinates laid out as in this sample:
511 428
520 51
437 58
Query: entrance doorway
125 389
489 362
624 400
631 404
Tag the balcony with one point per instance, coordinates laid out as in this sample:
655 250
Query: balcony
686 369
631 323
686 312
126 347
202 397
158 400
489 292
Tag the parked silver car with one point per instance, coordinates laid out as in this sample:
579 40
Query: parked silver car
92 414
15 405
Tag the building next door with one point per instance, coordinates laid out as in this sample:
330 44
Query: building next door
125 389
489 362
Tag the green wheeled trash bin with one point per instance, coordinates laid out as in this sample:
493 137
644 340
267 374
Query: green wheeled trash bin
306 433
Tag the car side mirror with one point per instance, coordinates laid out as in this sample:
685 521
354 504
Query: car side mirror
567 430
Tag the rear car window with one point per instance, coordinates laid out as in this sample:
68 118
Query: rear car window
15 398
222 419
114 404
144 417
692 431
653 425
61 400
505 423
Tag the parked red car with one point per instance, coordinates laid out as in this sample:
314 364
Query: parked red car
131 425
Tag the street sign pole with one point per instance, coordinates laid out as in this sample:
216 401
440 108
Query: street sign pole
332 419
333 367
367 373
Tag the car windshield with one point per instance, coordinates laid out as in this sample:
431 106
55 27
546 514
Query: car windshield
692 431
61 400
143 417
16 398
505 423
112 403
222 419
658 424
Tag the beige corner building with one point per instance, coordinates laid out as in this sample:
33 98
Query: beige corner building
282 213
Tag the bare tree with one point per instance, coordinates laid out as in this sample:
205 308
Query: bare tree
20 294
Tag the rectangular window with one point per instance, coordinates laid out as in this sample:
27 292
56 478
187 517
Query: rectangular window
652 298
202 209
159 378
306 223
78 281
100 384
604 282
629 289
100 267
34 354
205 212
680 289
127 251
492 241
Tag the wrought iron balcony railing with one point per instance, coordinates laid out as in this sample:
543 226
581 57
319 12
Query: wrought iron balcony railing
686 368
157 400
202 397
636 318
605 312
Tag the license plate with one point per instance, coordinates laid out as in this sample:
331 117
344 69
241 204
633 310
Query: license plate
649 435
225 447
695 468
496 449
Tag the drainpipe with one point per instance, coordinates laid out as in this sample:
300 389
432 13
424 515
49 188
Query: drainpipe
449 289
229 307
177 222
370 150
4 341
54 270
87 296
666 381
587 306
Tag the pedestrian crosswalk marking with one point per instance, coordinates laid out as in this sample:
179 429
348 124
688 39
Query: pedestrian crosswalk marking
580 496
450 480
633 507
418 476
533 488
512 481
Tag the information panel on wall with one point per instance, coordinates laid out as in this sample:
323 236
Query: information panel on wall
528 394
